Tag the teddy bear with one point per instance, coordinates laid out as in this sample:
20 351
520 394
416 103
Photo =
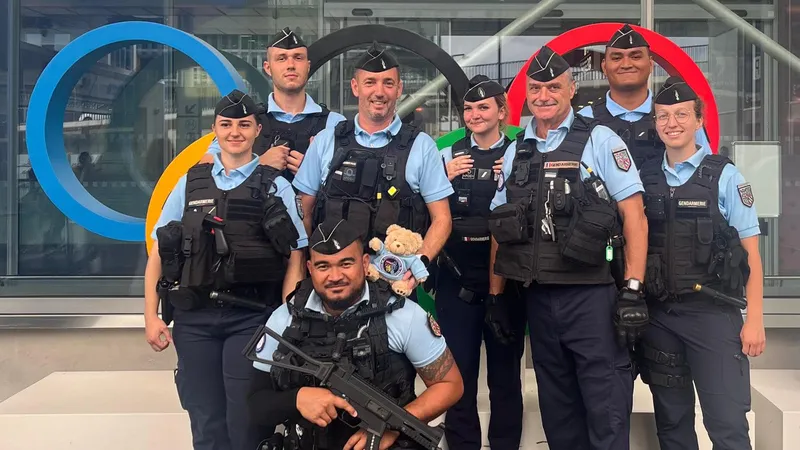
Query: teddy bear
395 257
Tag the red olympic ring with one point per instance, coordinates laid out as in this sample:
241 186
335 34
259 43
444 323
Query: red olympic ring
665 52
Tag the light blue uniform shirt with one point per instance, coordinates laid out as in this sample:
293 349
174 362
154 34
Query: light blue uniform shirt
425 173
176 202
735 212
634 116
408 330
597 154
285 117
447 152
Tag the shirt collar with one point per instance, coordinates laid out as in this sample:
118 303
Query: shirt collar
393 128
616 110
314 302
693 160
530 130
245 170
497 144
310 108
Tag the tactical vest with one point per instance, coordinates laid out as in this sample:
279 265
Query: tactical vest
298 134
367 186
252 263
364 349
641 136
682 221
469 242
535 258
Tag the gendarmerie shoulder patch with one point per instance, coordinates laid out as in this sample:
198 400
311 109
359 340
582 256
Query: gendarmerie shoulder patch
746 194
434 326
622 158
501 182
261 342
299 204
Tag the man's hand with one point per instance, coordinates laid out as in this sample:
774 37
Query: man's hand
631 317
459 166
275 157
358 441
154 329
753 337
294 160
498 320
498 166
318 405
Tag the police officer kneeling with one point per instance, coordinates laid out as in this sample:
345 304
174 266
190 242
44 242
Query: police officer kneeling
554 226
703 231
230 228
337 314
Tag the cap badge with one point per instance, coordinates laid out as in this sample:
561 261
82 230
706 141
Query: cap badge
551 73
383 63
677 97
481 92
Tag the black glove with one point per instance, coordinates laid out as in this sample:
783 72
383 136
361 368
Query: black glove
278 227
498 320
631 317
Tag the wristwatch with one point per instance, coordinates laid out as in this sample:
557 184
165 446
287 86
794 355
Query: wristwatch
634 285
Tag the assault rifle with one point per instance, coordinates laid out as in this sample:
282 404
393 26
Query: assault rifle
378 412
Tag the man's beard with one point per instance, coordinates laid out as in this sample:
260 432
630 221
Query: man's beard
343 304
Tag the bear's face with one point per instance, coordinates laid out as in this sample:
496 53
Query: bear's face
403 242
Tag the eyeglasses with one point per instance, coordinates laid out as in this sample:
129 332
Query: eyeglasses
680 117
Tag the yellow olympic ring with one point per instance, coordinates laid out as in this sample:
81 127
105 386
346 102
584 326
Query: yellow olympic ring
175 170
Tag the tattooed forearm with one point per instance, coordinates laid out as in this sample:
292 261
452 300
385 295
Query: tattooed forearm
437 370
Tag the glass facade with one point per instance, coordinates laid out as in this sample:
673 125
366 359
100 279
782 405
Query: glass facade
140 105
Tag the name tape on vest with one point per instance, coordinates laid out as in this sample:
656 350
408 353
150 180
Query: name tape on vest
476 239
692 203
203 202
562 165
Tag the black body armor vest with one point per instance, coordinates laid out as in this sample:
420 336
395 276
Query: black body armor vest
641 136
296 136
252 266
532 257
469 243
365 349
682 223
368 188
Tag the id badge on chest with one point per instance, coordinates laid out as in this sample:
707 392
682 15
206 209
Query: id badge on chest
462 195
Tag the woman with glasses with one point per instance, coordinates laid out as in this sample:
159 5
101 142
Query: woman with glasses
703 240
462 284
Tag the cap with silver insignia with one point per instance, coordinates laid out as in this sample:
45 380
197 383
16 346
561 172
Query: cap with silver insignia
332 236
481 87
626 38
287 40
547 65
675 90
236 105
376 59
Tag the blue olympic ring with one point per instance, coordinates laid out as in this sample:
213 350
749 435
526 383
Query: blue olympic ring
45 124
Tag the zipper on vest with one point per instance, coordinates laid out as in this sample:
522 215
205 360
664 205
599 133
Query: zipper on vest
537 220
667 251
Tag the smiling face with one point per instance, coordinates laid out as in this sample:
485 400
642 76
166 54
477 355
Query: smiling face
483 116
236 136
289 69
339 279
550 101
627 69
676 124
377 93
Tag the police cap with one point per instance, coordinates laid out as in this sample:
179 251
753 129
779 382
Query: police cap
481 87
547 65
626 37
675 90
332 236
236 105
376 59
286 39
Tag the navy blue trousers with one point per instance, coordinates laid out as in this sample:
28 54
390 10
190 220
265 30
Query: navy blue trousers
464 329
584 378
213 377
708 337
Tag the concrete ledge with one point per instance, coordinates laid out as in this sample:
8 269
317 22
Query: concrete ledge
776 401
